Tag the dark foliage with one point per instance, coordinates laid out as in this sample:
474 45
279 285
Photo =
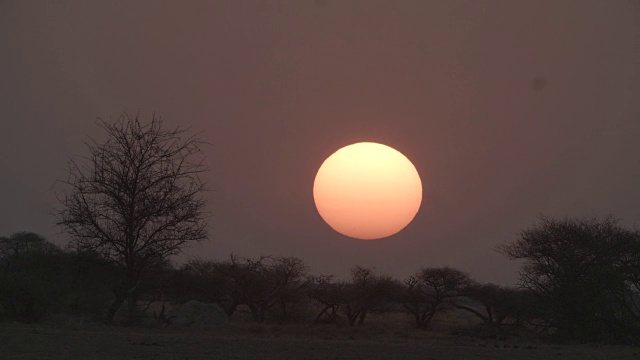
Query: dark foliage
434 290
38 279
584 273
327 296
366 292
268 286
266 283
498 306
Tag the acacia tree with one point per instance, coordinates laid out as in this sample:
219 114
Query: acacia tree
136 199
327 295
34 277
265 283
583 271
432 290
368 291
497 305
23 242
206 281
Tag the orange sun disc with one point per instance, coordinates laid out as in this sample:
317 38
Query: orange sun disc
367 191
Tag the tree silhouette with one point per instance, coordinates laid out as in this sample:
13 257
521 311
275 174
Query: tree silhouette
203 280
327 295
265 283
432 290
135 199
368 291
584 272
497 305
33 276
22 242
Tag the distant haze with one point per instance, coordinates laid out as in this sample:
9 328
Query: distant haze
508 110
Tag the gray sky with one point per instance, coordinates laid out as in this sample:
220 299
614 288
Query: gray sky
508 109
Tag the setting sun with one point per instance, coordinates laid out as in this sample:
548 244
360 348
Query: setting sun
367 191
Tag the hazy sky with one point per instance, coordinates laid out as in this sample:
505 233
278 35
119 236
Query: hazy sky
508 109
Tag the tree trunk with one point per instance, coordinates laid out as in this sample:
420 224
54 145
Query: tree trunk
126 291
352 316
423 318
485 319
363 314
255 312
427 320
283 307
132 309
416 316
111 311
231 308
326 308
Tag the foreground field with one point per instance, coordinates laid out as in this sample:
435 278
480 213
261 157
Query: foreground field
23 341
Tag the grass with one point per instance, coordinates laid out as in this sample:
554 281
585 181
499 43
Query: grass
386 336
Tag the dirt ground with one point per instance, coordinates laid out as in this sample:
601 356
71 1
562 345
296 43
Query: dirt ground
25 341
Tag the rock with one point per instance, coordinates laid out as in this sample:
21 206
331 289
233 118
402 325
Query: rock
197 313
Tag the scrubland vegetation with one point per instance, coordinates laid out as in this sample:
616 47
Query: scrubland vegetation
579 282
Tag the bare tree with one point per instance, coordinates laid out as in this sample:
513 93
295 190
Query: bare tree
136 198
433 290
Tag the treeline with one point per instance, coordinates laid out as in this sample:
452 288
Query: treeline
281 289
580 279
38 278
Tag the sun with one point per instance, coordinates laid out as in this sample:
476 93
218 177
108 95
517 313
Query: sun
367 191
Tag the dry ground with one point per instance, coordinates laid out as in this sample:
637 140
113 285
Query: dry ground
246 341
